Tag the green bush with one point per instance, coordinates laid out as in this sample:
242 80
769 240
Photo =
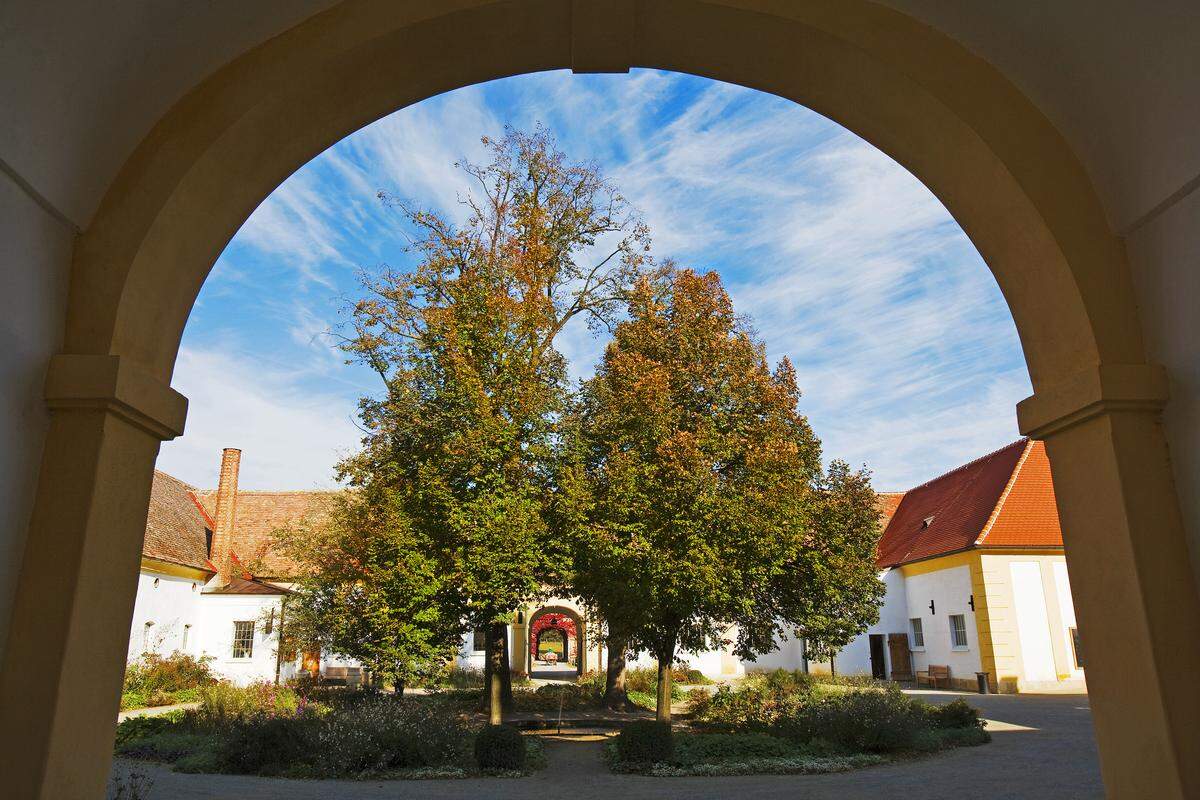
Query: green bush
263 745
155 673
223 703
645 742
707 748
552 696
955 714
500 747
759 703
135 728
862 722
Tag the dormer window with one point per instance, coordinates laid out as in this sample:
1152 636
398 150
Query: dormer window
927 522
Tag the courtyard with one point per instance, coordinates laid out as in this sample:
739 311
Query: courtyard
1042 747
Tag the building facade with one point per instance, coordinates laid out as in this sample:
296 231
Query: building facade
972 562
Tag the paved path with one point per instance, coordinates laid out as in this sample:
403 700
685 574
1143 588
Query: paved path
1042 747
154 711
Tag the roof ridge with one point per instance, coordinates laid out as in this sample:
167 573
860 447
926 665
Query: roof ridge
275 491
1008 487
181 482
970 463
950 501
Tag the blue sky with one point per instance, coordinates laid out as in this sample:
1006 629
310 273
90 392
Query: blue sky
905 351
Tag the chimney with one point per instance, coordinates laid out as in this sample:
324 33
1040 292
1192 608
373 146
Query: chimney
226 514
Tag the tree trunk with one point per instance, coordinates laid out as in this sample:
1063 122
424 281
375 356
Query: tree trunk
615 695
662 708
398 688
493 672
506 693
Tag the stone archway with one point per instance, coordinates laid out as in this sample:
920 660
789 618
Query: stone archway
1001 169
575 636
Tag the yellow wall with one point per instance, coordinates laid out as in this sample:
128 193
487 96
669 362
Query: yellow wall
995 616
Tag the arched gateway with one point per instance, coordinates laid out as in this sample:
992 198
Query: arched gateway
983 148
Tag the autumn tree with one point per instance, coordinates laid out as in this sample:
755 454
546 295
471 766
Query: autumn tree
369 589
700 498
464 437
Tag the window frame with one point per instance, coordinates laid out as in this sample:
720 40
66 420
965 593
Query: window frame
248 648
954 630
916 629
479 641
1076 646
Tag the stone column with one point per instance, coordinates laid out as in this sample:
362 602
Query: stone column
1134 590
520 637
61 681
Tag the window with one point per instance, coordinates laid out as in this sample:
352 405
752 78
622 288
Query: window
918 633
1076 648
958 632
186 630
479 640
156 583
243 639
147 646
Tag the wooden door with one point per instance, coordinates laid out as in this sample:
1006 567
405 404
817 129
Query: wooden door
901 657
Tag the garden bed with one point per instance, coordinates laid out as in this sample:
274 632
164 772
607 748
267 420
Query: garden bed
786 723
273 731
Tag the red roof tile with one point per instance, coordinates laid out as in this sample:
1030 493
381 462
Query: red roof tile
258 516
952 512
175 528
887 503
1028 514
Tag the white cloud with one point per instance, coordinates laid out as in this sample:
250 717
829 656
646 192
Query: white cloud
290 432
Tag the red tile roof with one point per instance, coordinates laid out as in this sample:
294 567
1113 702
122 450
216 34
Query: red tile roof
1028 513
258 516
243 586
887 503
175 527
1004 499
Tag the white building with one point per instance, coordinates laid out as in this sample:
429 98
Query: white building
972 561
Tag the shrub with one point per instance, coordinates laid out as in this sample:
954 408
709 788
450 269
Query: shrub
645 742
552 696
956 714
500 747
223 703
387 733
155 673
135 728
759 703
862 721
263 745
704 748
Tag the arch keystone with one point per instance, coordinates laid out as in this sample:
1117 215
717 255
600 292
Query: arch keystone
602 34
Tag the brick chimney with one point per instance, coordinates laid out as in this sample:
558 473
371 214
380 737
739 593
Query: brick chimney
226 514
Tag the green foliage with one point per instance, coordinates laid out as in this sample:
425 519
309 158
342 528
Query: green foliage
134 728
153 672
224 702
841 720
552 696
692 488
645 742
706 748
157 680
956 714
362 735
500 747
369 590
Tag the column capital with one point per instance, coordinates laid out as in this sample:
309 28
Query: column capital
116 385
602 34
1098 390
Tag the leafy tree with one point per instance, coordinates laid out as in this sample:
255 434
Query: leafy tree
700 499
464 439
368 590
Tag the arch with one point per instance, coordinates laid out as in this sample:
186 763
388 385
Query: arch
578 622
998 165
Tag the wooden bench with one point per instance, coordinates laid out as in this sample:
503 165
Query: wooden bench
935 673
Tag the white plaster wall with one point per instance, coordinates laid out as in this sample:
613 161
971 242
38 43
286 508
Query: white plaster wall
35 255
171 605
949 589
1066 612
1033 623
217 615
855 658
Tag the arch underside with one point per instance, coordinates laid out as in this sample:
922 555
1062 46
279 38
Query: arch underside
996 164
